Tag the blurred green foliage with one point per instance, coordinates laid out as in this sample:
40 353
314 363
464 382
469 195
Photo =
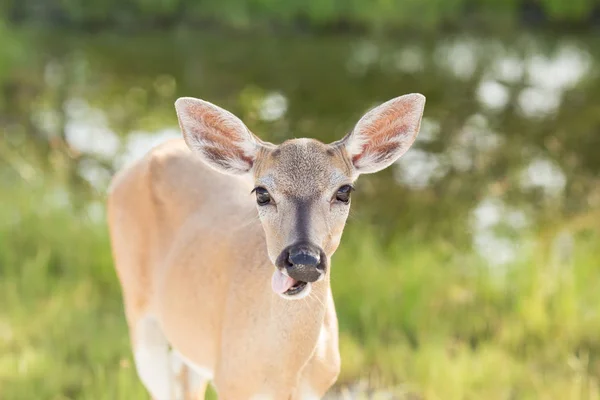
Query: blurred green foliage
373 14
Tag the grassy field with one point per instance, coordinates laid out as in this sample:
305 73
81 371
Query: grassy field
422 319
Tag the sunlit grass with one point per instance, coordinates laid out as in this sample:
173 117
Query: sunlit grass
446 326
421 319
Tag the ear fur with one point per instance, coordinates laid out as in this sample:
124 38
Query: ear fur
384 133
220 138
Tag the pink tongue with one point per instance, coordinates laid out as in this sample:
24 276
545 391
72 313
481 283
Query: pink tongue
281 283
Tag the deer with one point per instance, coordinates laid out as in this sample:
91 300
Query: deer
222 246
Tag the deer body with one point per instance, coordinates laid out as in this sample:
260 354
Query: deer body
217 287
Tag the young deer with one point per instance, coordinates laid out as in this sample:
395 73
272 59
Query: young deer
224 286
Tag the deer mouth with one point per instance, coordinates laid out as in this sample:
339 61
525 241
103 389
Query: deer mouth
287 286
297 288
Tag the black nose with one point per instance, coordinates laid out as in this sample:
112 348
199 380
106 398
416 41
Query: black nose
304 254
303 262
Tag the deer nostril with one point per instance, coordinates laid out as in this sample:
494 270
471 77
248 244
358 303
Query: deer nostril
304 258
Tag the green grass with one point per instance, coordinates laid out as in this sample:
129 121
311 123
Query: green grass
446 327
420 318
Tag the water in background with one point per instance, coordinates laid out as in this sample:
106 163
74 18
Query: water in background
509 141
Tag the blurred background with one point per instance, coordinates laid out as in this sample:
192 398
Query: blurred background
468 270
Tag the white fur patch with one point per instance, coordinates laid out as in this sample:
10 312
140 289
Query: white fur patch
197 376
202 372
153 361
308 393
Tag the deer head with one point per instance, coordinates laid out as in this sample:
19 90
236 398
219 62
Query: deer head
302 186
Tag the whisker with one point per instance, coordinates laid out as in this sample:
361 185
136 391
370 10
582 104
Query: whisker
306 302
354 215
311 295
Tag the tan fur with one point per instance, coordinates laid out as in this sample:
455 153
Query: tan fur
204 272
194 252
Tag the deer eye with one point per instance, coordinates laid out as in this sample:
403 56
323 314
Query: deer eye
343 194
262 196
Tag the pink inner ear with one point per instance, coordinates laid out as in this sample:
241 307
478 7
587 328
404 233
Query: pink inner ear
217 134
220 145
386 132
212 126
384 140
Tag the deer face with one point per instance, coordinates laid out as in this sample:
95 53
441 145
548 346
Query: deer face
302 187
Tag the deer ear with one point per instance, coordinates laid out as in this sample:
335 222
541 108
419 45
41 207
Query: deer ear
385 133
220 138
